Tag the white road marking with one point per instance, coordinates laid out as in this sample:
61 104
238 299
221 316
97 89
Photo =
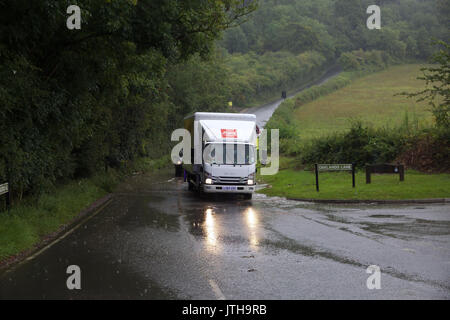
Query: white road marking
170 180
216 290
82 222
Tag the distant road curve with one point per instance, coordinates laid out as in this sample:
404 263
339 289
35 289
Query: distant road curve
264 112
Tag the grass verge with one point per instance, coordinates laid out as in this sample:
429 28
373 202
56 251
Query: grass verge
33 219
300 184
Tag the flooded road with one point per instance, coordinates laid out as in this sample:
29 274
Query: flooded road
158 240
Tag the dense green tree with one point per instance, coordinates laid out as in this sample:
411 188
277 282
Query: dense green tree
236 41
437 81
71 100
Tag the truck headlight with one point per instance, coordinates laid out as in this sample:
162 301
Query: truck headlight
208 181
251 179
179 162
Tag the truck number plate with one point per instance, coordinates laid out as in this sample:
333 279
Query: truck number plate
229 188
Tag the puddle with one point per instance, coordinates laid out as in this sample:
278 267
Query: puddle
409 230
148 216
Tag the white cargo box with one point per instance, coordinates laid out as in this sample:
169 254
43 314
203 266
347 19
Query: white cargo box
223 127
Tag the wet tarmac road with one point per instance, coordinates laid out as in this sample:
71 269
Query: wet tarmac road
157 240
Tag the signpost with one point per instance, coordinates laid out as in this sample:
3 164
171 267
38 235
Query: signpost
4 189
385 168
334 167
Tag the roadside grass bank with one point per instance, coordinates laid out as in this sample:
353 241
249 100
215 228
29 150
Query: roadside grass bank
294 183
254 79
368 96
291 87
283 119
34 218
360 118
371 99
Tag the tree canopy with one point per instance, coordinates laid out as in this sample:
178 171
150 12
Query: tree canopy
71 100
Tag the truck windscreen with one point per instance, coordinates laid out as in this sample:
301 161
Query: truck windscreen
229 153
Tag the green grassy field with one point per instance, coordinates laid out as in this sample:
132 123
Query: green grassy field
370 99
293 183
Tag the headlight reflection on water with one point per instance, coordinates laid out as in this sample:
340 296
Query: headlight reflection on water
210 229
251 219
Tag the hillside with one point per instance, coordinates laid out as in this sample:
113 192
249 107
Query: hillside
371 99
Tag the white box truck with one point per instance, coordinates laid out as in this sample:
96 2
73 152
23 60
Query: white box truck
223 153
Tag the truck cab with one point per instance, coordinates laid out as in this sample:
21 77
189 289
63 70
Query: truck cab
224 153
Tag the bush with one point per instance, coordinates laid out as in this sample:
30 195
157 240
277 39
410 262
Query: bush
360 145
256 77
428 151
364 60
421 149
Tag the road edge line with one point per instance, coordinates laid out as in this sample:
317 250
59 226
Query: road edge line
216 290
85 215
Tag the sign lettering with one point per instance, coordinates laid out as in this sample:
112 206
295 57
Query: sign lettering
334 167
4 188
229 133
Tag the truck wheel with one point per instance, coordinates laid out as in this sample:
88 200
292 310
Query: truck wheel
190 186
248 196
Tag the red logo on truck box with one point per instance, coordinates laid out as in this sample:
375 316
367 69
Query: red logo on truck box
229 133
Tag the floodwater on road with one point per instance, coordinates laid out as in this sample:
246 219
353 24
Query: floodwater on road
157 240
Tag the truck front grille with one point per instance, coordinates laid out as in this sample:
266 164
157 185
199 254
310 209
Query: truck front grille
230 180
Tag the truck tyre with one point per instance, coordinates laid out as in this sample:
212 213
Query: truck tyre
190 185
